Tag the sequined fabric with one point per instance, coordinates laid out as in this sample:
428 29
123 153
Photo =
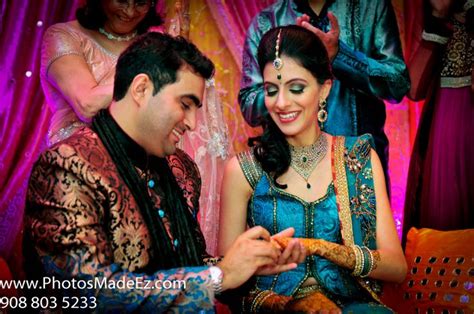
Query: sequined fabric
71 39
458 58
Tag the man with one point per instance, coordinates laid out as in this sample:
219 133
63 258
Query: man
113 207
366 58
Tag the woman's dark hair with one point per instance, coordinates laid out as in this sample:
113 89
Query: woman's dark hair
92 16
271 148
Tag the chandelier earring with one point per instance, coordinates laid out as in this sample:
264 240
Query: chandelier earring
322 113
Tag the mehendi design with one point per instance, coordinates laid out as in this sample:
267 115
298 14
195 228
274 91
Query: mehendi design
336 253
376 256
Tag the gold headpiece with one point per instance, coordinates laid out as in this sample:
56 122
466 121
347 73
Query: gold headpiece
278 63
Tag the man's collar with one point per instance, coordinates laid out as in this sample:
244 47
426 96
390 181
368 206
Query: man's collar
135 152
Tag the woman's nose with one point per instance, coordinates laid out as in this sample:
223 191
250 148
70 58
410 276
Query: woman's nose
282 100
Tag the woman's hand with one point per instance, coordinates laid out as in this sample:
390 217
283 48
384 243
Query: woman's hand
250 251
292 254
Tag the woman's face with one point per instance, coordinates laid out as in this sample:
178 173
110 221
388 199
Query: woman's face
293 100
123 16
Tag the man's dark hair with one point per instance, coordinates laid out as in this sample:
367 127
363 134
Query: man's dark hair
160 56
92 16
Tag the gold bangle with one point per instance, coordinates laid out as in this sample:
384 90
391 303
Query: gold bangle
359 260
371 262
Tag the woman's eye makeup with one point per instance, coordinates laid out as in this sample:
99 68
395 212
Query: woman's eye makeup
271 90
297 89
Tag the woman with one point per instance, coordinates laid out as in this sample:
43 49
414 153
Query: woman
78 59
441 176
330 189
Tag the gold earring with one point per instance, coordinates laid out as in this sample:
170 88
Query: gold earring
322 113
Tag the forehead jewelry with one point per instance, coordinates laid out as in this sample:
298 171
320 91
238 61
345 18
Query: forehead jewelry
278 63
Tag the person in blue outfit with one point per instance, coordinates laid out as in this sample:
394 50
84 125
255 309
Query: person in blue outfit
113 207
330 189
364 47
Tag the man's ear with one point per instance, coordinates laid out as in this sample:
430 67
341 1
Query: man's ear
141 89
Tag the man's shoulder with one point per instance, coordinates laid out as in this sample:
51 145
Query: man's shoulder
268 14
84 146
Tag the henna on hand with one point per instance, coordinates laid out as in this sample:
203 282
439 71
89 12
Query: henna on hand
339 254
376 255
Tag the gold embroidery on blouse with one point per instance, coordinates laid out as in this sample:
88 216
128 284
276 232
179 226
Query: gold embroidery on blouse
342 191
458 58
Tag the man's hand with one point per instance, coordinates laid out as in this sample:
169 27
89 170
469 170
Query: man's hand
329 39
293 254
250 251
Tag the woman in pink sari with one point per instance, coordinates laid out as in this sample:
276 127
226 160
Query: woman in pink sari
78 59
441 176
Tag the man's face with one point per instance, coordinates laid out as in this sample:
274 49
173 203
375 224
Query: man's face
170 113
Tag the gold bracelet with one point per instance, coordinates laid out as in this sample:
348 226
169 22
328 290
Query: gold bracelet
258 300
359 260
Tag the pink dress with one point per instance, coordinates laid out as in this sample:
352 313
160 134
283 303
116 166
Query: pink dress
64 39
441 176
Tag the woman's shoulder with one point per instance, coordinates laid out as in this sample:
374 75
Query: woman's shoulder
249 166
247 159
71 27
355 148
352 142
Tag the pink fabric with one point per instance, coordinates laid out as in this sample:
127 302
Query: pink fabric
69 39
233 18
448 175
23 117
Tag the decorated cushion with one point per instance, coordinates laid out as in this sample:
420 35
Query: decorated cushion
440 275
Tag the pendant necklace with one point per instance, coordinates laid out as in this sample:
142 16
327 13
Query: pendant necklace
304 159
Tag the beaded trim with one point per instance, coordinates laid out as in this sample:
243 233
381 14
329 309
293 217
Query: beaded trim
64 133
455 82
250 168
342 191
434 38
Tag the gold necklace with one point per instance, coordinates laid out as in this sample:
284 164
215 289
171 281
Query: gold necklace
304 159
